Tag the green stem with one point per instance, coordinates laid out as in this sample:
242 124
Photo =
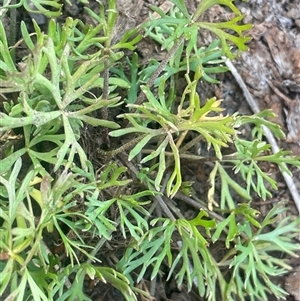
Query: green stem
13 29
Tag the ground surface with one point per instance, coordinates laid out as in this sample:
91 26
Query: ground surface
271 71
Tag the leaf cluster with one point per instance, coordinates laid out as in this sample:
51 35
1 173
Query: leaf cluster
72 78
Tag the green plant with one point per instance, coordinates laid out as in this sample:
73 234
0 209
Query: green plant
52 185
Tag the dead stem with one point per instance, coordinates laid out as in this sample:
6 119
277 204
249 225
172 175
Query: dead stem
159 69
104 110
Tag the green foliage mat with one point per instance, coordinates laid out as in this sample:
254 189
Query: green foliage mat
76 79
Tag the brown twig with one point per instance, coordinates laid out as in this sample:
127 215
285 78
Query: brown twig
157 198
104 110
159 69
